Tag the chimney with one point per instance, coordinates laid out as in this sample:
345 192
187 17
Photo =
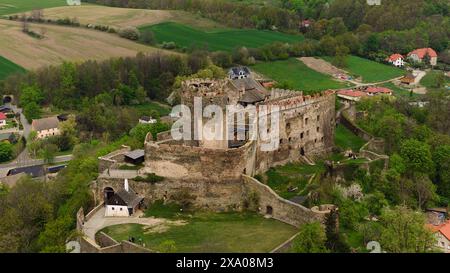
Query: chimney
125 185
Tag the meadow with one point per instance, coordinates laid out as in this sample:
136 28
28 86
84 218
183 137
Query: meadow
222 39
7 67
122 17
296 75
62 44
16 6
345 139
206 232
370 71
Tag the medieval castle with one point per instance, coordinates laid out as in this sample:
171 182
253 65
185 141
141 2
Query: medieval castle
218 174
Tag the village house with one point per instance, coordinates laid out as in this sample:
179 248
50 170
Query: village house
124 202
396 59
147 120
419 54
241 72
377 90
46 127
442 233
2 119
350 95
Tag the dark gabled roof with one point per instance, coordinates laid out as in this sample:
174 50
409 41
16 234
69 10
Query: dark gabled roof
136 154
45 123
146 118
130 198
4 108
253 96
33 171
239 70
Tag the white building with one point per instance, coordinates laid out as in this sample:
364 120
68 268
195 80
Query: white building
397 60
2 119
123 203
147 120
46 127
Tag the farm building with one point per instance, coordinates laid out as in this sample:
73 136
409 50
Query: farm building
147 120
2 119
420 54
351 95
377 90
46 127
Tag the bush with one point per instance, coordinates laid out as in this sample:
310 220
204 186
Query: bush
169 45
5 151
130 33
150 178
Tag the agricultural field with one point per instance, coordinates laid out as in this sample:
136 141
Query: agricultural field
122 17
297 76
7 67
435 80
370 71
206 232
224 39
62 43
17 6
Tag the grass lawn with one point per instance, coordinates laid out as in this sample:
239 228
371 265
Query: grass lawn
7 67
226 39
431 78
345 139
370 71
297 75
292 175
209 232
146 108
15 6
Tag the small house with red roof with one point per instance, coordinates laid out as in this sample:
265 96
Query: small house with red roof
351 95
419 55
2 119
378 90
396 59
442 233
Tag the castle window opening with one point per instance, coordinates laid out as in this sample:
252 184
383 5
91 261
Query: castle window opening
317 129
302 151
306 121
301 135
269 210
318 117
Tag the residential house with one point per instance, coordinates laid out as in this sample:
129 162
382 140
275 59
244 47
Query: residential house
147 120
419 54
125 202
351 95
442 233
377 90
241 72
396 60
46 127
2 119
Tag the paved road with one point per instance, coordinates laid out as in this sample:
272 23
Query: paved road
4 168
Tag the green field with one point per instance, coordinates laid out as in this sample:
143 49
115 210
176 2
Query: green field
16 6
297 75
345 139
370 71
147 108
207 232
226 39
7 67
291 176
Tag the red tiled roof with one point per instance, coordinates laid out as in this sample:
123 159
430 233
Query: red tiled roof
443 228
351 93
2 116
422 51
376 89
395 57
